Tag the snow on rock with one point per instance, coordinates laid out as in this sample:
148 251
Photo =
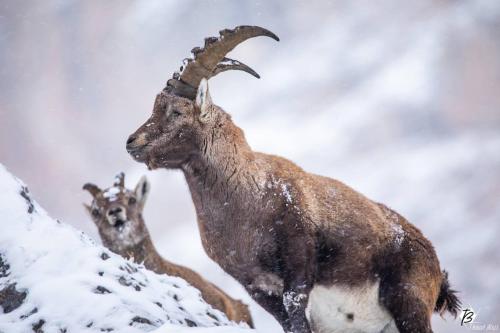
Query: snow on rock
221 329
54 278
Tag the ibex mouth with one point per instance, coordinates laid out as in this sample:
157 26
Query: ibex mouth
142 155
119 224
139 153
137 146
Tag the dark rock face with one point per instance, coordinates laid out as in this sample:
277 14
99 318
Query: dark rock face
101 290
141 320
32 312
25 194
37 327
4 267
11 298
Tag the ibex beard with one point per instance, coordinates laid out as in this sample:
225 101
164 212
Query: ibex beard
313 252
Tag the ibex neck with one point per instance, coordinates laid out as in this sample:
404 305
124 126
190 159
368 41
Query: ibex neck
148 255
141 252
214 174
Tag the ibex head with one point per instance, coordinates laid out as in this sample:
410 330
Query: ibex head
183 112
117 212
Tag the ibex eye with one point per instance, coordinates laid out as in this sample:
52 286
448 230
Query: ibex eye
95 212
132 201
176 113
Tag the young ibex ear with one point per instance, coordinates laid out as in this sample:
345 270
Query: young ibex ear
142 190
203 100
93 189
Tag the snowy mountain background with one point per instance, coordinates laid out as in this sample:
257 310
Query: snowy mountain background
399 100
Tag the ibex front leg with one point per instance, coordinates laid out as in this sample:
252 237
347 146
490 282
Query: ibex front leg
298 257
274 305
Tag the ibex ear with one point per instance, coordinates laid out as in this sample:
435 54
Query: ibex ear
93 189
142 190
203 100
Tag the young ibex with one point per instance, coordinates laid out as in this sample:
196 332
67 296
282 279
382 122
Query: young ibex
117 213
312 251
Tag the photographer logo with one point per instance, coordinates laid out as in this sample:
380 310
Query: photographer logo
468 319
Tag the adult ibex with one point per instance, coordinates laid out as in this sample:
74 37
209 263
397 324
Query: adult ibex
117 213
312 251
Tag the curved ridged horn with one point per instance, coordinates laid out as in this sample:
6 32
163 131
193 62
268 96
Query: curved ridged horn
227 64
119 180
211 59
93 189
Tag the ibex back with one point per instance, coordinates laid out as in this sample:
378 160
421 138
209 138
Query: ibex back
312 251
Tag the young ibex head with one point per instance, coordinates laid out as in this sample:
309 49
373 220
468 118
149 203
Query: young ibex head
183 113
117 213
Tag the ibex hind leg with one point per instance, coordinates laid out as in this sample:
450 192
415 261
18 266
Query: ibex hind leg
410 313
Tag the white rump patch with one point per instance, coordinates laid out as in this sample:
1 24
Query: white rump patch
340 309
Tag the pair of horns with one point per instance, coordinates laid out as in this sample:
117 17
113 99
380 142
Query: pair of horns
95 190
211 59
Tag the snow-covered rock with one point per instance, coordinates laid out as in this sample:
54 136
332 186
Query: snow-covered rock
219 329
54 278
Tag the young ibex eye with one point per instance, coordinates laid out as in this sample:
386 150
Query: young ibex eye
176 113
132 201
95 212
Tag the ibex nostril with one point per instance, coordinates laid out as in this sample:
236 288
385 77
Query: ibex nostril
114 211
131 139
